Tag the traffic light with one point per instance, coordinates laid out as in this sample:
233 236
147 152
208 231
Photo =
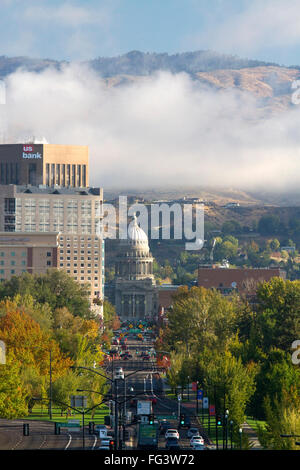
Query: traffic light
57 428
182 419
151 419
111 444
219 421
25 429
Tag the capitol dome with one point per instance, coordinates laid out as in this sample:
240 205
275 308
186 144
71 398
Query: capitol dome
136 234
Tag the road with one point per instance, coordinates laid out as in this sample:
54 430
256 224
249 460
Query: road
142 376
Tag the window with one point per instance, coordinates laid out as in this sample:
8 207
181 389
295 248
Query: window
12 271
48 253
48 263
13 253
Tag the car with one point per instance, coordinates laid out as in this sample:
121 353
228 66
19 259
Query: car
172 443
193 432
119 374
172 433
196 440
198 447
100 427
104 445
164 425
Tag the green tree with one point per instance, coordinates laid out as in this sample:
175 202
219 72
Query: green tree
278 306
56 288
12 395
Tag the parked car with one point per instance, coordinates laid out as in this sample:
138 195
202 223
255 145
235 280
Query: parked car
172 433
196 440
193 432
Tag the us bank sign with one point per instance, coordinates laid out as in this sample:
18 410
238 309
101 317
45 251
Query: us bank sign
28 152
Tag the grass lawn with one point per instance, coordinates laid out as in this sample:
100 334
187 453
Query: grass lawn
41 413
254 423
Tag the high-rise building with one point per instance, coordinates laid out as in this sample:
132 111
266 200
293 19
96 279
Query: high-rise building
74 213
44 164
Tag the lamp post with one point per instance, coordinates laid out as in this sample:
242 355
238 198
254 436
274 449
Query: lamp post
226 428
115 383
50 373
188 388
231 426
241 432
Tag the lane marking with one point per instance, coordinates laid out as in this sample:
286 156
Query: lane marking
70 439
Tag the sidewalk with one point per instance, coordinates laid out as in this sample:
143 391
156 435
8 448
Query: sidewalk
252 436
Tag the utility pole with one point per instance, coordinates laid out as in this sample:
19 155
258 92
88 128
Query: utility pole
50 372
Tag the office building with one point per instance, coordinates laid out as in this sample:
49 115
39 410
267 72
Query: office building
22 252
74 213
44 164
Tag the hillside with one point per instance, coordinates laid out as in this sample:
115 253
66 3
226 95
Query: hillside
270 84
138 63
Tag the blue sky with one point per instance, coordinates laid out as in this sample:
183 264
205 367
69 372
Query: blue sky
78 30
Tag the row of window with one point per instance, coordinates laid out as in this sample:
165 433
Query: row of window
65 175
13 253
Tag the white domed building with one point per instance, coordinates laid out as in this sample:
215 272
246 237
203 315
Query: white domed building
136 294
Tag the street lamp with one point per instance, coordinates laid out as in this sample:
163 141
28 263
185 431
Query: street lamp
231 426
115 383
226 427
241 432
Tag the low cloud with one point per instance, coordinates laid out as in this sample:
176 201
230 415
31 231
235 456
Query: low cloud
163 130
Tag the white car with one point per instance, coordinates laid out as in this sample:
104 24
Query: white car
104 444
197 440
172 433
193 432
198 447
119 373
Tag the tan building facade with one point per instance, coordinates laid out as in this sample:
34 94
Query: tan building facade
22 252
73 212
44 164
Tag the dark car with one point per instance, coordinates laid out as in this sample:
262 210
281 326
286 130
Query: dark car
164 425
172 443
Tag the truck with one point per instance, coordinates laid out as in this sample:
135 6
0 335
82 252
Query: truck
148 436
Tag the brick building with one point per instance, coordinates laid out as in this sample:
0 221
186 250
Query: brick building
242 280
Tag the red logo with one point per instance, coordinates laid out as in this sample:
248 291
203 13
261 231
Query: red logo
27 148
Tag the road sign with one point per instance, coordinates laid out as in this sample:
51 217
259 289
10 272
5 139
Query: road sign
212 410
205 403
78 401
179 397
